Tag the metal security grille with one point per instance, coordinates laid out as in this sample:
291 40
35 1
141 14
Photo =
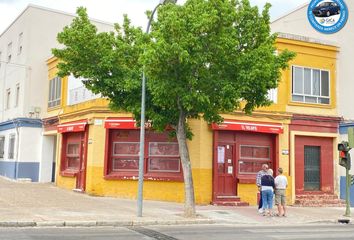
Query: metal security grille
312 156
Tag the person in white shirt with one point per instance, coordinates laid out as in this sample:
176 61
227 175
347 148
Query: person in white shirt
281 183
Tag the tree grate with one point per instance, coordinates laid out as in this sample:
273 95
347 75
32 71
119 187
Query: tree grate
151 233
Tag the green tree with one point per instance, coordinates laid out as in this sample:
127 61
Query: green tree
201 59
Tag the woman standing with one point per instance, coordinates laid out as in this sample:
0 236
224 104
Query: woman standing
267 185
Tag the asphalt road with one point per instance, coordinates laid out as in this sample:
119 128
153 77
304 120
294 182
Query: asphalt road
192 232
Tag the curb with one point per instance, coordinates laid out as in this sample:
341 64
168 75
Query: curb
118 223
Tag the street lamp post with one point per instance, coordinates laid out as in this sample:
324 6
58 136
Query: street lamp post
142 125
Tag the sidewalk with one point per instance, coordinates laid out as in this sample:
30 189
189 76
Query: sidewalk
37 204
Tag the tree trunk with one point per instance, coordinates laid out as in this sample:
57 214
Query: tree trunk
189 202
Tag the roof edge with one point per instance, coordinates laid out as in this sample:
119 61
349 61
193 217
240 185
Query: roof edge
50 10
290 12
306 39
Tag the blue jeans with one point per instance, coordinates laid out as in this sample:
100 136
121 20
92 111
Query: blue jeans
267 199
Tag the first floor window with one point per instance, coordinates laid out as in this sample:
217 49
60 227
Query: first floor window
54 92
161 155
253 157
310 85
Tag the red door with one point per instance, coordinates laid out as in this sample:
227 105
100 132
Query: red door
81 174
313 164
226 179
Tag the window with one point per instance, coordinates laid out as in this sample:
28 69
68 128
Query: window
252 158
73 155
54 92
9 51
0 58
17 94
162 159
71 152
310 85
125 156
273 95
20 39
2 146
8 98
11 146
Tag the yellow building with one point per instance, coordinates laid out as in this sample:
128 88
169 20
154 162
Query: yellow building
98 150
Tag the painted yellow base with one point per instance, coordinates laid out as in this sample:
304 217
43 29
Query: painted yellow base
248 193
66 182
153 190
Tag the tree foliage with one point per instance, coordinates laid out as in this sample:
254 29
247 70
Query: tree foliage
201 59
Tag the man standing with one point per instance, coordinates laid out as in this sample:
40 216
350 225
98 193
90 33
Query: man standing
260 174
281 182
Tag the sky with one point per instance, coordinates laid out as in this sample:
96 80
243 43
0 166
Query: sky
112 10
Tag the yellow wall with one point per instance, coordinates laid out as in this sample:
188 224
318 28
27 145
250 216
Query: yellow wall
311 55
52 73
201 147
201 157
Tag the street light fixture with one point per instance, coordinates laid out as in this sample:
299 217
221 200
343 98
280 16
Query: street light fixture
142 120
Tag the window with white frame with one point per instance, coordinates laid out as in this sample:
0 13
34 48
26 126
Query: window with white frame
8 98
310 85
273 95
11 153
2 146
17 99
9 52
20 39
54 92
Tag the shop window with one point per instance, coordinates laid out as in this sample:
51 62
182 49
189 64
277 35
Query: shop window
125 156
252 158
71 152
161 159
310 85
73 155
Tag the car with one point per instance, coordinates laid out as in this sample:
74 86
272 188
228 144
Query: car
326 9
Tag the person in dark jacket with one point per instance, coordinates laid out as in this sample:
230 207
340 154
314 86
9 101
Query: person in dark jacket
267 186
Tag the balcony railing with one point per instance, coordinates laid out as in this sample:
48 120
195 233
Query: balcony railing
81 94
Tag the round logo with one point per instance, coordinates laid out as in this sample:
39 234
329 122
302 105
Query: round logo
327 16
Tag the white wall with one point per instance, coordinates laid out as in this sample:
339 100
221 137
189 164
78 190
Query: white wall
48 153
30 144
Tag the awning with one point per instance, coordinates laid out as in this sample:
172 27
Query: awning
77 126
120 123
233 125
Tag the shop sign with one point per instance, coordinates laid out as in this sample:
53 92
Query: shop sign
327 16
249 126
78 126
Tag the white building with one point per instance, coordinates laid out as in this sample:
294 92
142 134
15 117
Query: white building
296 22
25 152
